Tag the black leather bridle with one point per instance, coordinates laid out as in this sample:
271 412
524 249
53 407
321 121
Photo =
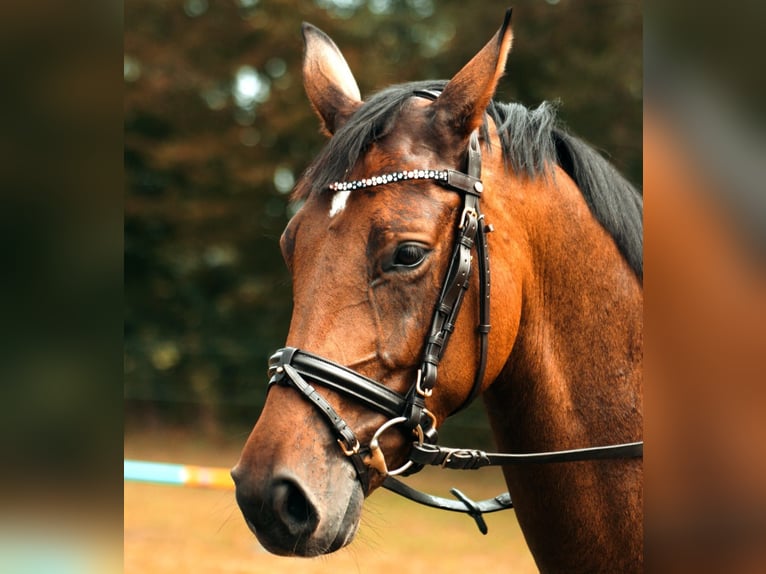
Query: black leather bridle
294 367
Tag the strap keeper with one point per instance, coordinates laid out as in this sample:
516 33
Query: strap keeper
473 509
464 182
436 340
483 328
413 410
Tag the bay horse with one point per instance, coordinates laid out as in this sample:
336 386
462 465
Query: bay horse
417 185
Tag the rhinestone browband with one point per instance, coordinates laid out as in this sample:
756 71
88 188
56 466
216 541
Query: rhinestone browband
442 175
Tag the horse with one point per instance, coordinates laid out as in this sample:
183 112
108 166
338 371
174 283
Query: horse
416 187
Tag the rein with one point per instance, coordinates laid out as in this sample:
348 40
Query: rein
294 367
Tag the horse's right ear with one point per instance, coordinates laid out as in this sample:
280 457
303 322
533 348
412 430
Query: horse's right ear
465 97
328 80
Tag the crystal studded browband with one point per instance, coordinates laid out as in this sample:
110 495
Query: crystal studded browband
439 176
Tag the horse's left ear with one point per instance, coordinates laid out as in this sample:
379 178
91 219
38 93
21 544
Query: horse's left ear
467 95
329 82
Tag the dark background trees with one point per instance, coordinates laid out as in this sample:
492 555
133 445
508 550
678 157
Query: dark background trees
217 128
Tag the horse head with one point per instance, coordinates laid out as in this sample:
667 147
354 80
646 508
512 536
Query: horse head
395 213
367 266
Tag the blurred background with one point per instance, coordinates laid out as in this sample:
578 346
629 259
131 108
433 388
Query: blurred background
218 128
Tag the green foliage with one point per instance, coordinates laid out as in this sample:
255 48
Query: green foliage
217 128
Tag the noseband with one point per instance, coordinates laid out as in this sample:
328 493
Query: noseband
294 367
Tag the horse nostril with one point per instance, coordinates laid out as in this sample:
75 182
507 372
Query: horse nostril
293 508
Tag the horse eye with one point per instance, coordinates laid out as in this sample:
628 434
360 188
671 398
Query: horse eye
409 255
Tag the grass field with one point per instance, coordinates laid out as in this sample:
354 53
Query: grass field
171 529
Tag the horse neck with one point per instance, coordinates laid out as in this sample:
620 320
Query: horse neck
577 354
573 378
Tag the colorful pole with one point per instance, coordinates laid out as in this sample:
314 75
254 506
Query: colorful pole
178 474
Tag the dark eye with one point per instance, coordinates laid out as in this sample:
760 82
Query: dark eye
409 255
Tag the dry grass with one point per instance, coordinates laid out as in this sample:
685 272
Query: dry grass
175 529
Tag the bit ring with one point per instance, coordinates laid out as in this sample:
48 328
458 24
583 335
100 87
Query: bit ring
375 444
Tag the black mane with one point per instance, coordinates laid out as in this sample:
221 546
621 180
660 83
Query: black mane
531 140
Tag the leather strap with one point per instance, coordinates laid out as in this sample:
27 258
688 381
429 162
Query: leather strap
456 283
469 459
338 378
463 459
449 303
346 438
462 504
471 231
482 251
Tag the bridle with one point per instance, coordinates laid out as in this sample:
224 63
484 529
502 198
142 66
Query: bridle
295 367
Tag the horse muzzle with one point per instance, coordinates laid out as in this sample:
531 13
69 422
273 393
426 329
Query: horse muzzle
290 518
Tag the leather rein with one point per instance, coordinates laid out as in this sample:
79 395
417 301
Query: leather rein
294 367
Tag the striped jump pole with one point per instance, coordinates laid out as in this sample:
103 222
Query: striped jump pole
178 474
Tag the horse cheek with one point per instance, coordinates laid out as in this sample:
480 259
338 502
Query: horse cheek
399 321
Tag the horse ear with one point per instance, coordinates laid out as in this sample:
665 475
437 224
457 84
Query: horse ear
467 95
328 80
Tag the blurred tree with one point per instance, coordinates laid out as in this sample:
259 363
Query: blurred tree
217 129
